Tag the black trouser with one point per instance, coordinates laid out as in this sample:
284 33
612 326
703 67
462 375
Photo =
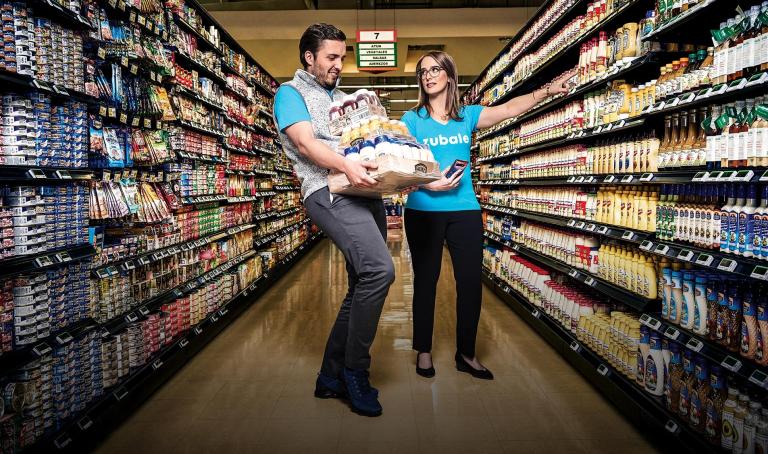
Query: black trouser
427 231
358 227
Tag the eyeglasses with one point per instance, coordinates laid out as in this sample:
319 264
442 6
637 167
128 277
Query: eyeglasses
433 72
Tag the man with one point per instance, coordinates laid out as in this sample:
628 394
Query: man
356 225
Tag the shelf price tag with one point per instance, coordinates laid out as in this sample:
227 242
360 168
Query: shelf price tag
718 90
590 227
157 364
64 338
732 364
130 318
727 265
603 370
41 349
120 393
571 179
685 255
579 225
674 102
183 343
198 331
85 423
647 177
35 174
705 260
627 178
653 324
536 313
42 262
759 378
688 98
646 245
63 257
760 272
672 427
62 441
571 223
672 333
628 235
698 177
661 249
602 230
575 346
589 281
694 344
580 180
573 273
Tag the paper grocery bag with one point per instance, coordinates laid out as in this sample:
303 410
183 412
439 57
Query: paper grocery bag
393 175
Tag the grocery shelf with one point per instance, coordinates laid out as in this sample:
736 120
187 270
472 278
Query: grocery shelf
262 87
284 169
569 53
239 150
200 67
714 260
148 257
593 228
60 14
24 82
265 172
133 15
286 188
182 90
201 39
601 286
272 236
242 96
193 200
724 93
198 128
647 412
265 151
45 260
700 13
239 123
715 353
82 431
660 177
496 157
264 130
231 69
201 157
43 174
638 67
567 15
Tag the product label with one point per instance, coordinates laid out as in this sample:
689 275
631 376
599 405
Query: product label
746 232
696 408
733 231
728 431
724 235
685 400
651 374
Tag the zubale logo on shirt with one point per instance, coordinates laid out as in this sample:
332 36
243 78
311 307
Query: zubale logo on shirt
442 140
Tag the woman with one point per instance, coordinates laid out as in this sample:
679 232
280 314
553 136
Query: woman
447 210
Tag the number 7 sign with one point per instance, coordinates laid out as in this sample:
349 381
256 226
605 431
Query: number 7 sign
376 50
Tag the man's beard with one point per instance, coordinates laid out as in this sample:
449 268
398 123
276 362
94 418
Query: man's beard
322 79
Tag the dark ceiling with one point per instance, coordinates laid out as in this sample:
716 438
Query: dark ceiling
278 5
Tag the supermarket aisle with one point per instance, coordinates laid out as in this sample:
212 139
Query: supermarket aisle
251 389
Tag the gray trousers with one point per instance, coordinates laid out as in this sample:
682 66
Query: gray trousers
358 227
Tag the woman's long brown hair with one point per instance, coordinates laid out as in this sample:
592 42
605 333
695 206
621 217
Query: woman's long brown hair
452 104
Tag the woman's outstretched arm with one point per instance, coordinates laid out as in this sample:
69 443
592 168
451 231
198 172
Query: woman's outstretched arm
491 116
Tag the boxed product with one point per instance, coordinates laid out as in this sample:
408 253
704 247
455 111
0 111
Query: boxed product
393 174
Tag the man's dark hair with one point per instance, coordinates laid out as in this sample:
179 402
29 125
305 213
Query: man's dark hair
313 38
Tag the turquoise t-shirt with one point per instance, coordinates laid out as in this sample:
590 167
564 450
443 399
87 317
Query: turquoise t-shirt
448 142
290 107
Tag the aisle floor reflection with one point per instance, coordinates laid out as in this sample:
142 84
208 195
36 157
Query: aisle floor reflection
250 390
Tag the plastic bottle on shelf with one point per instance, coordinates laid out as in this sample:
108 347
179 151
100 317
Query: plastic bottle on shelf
760 225
746 223
688 306
686 384
761 435
713 406
643 348
761 355
713 291
728 419
702 306
654 366
750 427
725 212
739 418
674 380
699 392
723 316
732 338
749 328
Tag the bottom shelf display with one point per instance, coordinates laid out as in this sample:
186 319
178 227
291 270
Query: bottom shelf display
668 384
117 372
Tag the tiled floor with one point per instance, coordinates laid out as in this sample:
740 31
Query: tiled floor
251 389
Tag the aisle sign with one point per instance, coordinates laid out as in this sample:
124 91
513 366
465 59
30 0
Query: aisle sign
376 50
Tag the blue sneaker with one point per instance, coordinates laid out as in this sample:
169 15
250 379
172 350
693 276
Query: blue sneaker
364 400
329 388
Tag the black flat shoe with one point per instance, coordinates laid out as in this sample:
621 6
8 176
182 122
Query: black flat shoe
428 372
463 366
